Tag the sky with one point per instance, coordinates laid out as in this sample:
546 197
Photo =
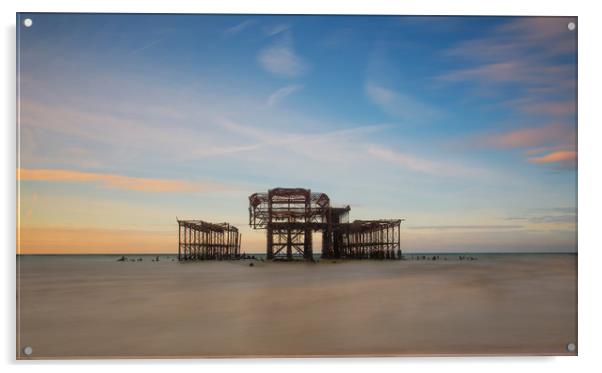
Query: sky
466 127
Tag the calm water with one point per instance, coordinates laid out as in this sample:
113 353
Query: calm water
93 306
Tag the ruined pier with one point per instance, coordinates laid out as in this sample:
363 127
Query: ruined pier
200 240
291 215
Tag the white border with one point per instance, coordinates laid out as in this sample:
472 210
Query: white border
590 185
437 7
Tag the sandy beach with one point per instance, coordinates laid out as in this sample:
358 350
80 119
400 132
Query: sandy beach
96 307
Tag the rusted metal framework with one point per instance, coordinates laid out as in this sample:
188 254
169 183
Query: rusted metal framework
373 239
200 240
291 215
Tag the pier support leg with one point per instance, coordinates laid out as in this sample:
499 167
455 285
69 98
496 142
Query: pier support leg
270 244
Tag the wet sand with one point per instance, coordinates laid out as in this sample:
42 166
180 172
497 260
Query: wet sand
94 306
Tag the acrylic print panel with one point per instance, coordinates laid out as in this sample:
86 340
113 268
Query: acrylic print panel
280 186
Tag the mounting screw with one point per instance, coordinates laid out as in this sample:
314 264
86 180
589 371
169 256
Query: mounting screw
27 22
27 350
571 347
571 26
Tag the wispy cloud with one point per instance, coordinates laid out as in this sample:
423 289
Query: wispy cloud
399 105
515 71
426 166
531 38
558 215
342 147
533 56
465 227
280 57
549 144
548 219
276 29
113 181
552 108
530 137
149 44
283 92
550 33
231 31
290 140
215 151
564 158
95 130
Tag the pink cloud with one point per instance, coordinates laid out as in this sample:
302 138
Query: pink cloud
547 149
114 181
550 108
551 144
563 157
515 71
531 137
502 71
542 35
552 32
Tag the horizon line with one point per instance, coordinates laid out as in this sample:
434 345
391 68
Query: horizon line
262 253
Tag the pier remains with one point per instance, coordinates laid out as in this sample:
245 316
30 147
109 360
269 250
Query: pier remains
291 215
200 240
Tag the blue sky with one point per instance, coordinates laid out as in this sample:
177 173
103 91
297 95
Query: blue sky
464 126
